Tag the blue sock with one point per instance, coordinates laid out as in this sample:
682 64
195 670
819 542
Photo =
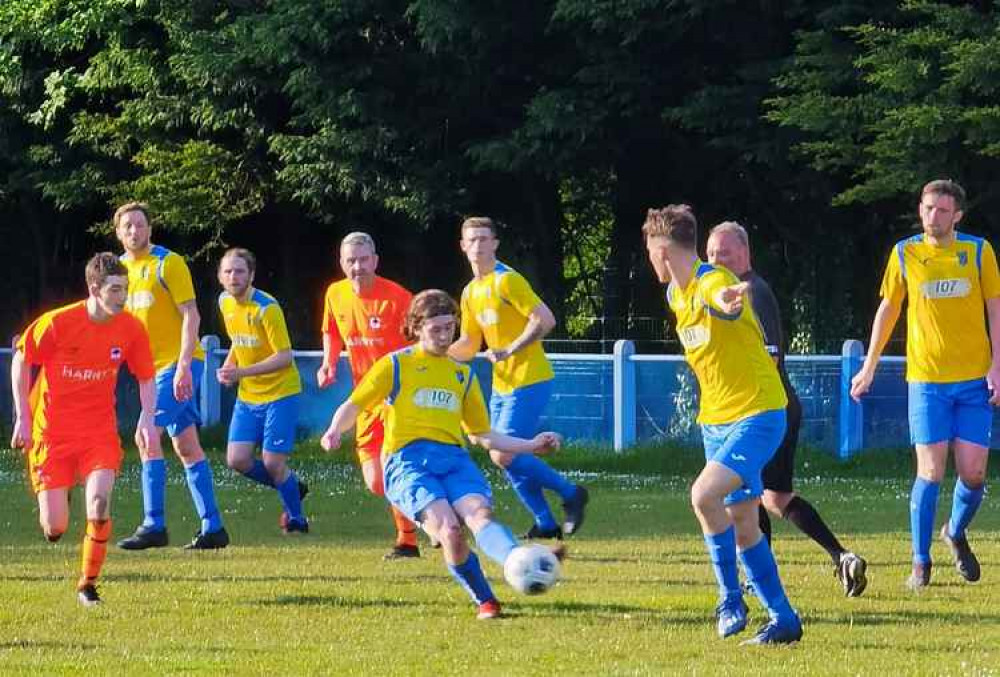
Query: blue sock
154 494
964 505
923 505
722 552
202 488
531 466
259 474
531 494
762 572
289 493
496 541
471 577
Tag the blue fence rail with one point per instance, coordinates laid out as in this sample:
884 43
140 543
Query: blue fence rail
620 399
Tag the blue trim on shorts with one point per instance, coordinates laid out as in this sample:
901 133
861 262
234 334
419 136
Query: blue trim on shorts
518 412
271 425
941 412
745 446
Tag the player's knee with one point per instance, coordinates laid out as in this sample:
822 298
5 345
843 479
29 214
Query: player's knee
275 466
189 451
97 506
450 534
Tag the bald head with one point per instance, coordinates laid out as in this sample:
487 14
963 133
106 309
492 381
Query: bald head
728 246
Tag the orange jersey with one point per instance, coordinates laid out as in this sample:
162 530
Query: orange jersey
370 323
74 396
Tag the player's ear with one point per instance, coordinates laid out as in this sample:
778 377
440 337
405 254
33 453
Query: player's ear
958 215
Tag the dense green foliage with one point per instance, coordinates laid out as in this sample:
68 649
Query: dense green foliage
281 124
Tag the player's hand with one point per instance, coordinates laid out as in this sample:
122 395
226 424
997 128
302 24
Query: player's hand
228 375
183 383
547 442
730 299
326 375
993 383
145 431
861 382
21 437
498 355
330 440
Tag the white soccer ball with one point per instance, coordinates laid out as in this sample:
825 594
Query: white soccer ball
531 569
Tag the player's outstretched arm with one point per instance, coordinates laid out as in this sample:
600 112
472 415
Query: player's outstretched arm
342 421
540 444
541 321
464 349
20 380
146 436
882 326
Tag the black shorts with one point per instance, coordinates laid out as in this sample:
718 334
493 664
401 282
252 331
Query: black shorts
777 474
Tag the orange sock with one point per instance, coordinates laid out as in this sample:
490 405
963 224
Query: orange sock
95 548
406 531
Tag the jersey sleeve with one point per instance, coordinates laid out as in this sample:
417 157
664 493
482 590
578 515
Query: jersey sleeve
517 292
37 342
376 385
329 325
893 285
273 323
475 418
139 354
989 276
765 307
470 327
177 277
709 286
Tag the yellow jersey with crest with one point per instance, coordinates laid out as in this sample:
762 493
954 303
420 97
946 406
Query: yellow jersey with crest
426 397
736 376
946 288
257 330
158 283
496 308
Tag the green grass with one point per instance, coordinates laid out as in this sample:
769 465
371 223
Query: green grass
637 596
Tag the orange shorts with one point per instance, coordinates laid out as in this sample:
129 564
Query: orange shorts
369 434
63 464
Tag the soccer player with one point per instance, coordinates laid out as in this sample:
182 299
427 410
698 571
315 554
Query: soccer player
952 366
366 312
66 423
162 296
498 305
429 476
742 418
728 246
267 402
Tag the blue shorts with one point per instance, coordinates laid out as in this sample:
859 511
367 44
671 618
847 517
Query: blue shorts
176 416
271 425
425 471
518 412
745 447
941 412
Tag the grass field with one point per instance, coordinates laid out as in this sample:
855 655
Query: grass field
637 595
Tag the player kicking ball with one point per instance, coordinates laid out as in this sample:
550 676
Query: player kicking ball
66 423
430 400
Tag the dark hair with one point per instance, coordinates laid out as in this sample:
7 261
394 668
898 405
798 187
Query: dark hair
102 266
242 253
674 222
130 207
425 305
946 187
479 222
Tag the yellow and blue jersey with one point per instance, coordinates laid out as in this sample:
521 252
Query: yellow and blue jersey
946 337
158 283
257 330
736 375
427 397
496 308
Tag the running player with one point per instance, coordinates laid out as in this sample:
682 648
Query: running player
498 305
267 403
162 296
729 246
430 400
366 312
742 417
952 367
66 423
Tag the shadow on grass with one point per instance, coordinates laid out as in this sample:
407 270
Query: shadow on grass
47 645
338 601
171 578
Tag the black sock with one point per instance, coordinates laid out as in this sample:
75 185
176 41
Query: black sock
765 522
800 513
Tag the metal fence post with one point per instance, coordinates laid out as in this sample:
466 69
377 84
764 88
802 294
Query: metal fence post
851 412
624 394
211 391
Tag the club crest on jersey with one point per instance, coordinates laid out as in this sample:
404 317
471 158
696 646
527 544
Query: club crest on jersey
963 258
116 354
375 322
460 376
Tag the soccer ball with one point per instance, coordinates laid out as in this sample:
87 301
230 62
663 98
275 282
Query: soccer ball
531 569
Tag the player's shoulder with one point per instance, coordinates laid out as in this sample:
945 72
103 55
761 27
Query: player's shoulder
391 288
908 241
130 324
709 275
263 299
71 313
338 288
